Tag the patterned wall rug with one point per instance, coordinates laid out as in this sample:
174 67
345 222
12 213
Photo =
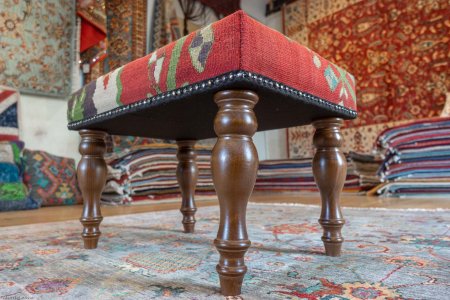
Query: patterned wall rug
389 254
397 51
36 45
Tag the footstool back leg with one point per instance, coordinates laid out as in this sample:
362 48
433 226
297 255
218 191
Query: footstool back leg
330 169
187 174
91 173
234 165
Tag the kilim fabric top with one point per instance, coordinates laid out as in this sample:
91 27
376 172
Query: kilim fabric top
235 52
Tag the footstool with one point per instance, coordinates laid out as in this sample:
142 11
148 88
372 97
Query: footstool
229 79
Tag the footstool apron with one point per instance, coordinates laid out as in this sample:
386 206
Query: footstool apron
226 80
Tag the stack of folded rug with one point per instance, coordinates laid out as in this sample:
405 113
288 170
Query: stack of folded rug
13 193
366 167
148 173
289 175
417 159
30 179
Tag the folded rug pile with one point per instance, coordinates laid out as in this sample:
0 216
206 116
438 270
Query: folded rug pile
14 194
149 173
30 178
366 166
417 159
296 175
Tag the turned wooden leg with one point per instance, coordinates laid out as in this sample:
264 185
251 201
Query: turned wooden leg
330 170
91 174
187 174
234 166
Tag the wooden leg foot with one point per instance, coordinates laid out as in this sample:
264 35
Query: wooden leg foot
91 231
234 166
91 174
187 174
330 170
231 267
332 248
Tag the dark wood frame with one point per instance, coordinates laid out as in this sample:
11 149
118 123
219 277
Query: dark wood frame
234 164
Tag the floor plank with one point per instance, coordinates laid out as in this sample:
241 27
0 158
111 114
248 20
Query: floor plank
64 213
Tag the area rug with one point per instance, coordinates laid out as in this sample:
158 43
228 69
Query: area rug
388 254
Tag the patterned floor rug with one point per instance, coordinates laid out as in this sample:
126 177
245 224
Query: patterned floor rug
388 254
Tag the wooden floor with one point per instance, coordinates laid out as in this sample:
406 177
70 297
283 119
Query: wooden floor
64 213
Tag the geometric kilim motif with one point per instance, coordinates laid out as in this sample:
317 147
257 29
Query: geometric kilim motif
200 47
236 44
51 179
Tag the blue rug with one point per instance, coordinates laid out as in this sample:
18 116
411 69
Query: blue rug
388 254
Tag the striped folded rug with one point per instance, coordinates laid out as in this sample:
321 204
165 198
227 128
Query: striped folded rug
416 159
9 125
149 174
286 175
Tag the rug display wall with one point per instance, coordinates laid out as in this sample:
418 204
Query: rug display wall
169 18
397 51
167 26
127 29
36 39
113 33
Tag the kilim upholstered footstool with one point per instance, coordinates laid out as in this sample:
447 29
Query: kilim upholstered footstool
228 80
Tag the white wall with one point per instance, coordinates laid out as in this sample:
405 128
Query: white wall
43 126
43 122
270 144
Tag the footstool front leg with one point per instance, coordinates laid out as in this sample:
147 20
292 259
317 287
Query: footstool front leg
187 174
234 166
330 169
91 174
